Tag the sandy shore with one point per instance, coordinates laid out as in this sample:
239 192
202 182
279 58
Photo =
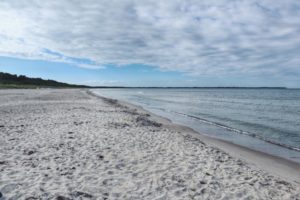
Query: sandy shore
68 144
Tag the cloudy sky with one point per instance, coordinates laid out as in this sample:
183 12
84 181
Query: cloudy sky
153 43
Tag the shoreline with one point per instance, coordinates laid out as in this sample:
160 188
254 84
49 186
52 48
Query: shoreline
71 144
279 166
242 125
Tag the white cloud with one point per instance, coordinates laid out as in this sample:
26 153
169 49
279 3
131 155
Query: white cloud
196 37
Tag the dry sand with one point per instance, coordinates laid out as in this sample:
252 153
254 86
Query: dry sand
68 144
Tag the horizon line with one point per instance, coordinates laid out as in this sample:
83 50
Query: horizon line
193 87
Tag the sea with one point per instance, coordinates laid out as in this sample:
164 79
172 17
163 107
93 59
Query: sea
264 119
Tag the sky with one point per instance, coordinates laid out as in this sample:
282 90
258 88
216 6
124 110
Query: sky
153 43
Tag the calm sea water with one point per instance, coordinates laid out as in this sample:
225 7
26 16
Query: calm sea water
267 120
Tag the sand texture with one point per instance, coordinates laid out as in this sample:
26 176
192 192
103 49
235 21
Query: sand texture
68 144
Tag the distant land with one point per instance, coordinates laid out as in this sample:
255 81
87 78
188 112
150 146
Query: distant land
8 80
14 81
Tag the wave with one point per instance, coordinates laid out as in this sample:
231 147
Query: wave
234 130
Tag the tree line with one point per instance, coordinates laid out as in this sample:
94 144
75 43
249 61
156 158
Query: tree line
12 79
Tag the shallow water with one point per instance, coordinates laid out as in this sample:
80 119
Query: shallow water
267 120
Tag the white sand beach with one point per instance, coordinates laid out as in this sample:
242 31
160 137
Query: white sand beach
70 144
